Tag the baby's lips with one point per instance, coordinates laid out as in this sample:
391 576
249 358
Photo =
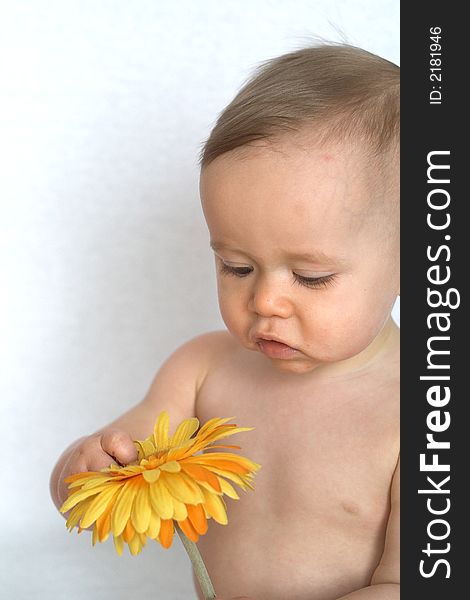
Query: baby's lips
275 349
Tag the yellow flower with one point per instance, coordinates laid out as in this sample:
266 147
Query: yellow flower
171 482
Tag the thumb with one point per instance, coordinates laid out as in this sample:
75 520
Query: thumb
119 445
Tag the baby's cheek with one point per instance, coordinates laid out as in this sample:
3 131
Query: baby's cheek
231 312
340 334
359 330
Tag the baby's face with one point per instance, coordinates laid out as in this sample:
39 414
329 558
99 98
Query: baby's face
306 249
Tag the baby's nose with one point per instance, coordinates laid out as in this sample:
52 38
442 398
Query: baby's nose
269 298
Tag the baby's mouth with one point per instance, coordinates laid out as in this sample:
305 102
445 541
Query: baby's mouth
274 349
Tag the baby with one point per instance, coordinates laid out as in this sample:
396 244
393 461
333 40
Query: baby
300 191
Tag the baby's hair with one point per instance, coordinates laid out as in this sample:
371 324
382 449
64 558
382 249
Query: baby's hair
337 91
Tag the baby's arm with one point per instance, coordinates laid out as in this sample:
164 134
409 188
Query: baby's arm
174 389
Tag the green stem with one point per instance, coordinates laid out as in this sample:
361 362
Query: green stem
198 565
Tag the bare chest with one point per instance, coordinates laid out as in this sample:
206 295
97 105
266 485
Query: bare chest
327 453
329 445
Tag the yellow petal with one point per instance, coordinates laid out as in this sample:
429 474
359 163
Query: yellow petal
75 477
154 526
215 506
119 544
171 467
228 489
145 447
184 431
212 424
78 496
232 476
206 437
182 487
135 545
99 504
151 475
94 481
129 471
223 431
141 510
95 537
161 500
160 431
123 506
179 510
87 481
180 451
76 514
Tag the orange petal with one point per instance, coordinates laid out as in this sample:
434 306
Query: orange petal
128 532
103 524
226 465
201 474
197 517
232 476
188 530
166 533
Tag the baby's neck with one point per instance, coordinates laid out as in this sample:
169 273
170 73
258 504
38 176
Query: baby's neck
381 353
382 350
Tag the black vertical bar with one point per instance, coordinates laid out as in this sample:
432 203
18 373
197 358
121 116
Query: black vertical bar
435 260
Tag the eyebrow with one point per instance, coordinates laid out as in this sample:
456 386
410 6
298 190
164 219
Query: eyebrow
307 256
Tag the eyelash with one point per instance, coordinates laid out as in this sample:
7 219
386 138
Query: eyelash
310 282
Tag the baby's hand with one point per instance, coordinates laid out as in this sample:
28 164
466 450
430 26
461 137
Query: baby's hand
95 452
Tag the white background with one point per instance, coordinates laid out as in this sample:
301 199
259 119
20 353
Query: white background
104 260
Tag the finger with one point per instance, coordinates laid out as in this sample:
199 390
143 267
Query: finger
119 445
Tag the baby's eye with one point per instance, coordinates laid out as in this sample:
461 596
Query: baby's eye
314 282
237 271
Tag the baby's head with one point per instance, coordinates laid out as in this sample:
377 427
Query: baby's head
300 190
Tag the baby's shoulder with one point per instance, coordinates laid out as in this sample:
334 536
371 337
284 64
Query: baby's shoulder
181 376
211 343
206 350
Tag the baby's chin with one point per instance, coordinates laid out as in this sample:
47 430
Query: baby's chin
296 366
